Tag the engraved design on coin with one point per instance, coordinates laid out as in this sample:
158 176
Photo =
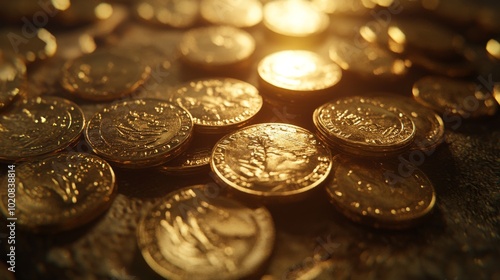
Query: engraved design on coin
40 126
220 237
63 191
271 160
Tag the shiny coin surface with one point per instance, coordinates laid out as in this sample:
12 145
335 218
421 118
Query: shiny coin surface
60 192
174 13
449 96
216 47
360 190
237 13
103 75
140 133
218 104
294 18
272 162
194 234
301 73
39 45
364 126
38 127
13 81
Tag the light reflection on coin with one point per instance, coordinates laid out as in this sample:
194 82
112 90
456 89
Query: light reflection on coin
360 190
13 81
193 234
237 13
61 192
175 13
39 126
218 104
140 133
272 162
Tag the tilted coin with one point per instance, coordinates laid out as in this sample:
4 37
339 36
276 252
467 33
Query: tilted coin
272 162
140 133
237 13
193 233
450 96
429 125
297 19
60 192
103 75
363 126
38 127
298 74
13 81
216 47
218 104
360 190
38 44
174 13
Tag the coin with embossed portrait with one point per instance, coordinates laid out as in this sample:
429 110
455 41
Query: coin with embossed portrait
218 104
174 13
271 162
13 80
237 13
60 192
140 133
216 47
39 126
366 192
195 233
103 75
365 127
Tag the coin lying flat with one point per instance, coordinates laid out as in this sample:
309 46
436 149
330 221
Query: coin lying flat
298 74
363 126
61 192
140 133
360 190
40 44
13 81
39 126
103 75
237 13
216 47
193 234
272 162
218 104
297 19
174 13
449 96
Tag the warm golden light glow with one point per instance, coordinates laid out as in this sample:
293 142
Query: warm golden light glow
493 48
87 43
103 11
50 41
292 65
61 4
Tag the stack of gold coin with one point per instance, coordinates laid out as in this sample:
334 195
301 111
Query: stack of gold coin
174 13
361 190
195 233
295 76
103 75
364 127
237 13
217 48
218 105
13 81
60 192
140 133
271 162
39 126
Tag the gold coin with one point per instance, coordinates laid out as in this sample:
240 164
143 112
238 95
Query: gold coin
218 104
272 162
195 233
174 13
60 192
360 190
103 75
449 96
140 133
298 73
370 60
40 44
364 126
216 47
13 81
38 127
429 126
297 19
237 13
